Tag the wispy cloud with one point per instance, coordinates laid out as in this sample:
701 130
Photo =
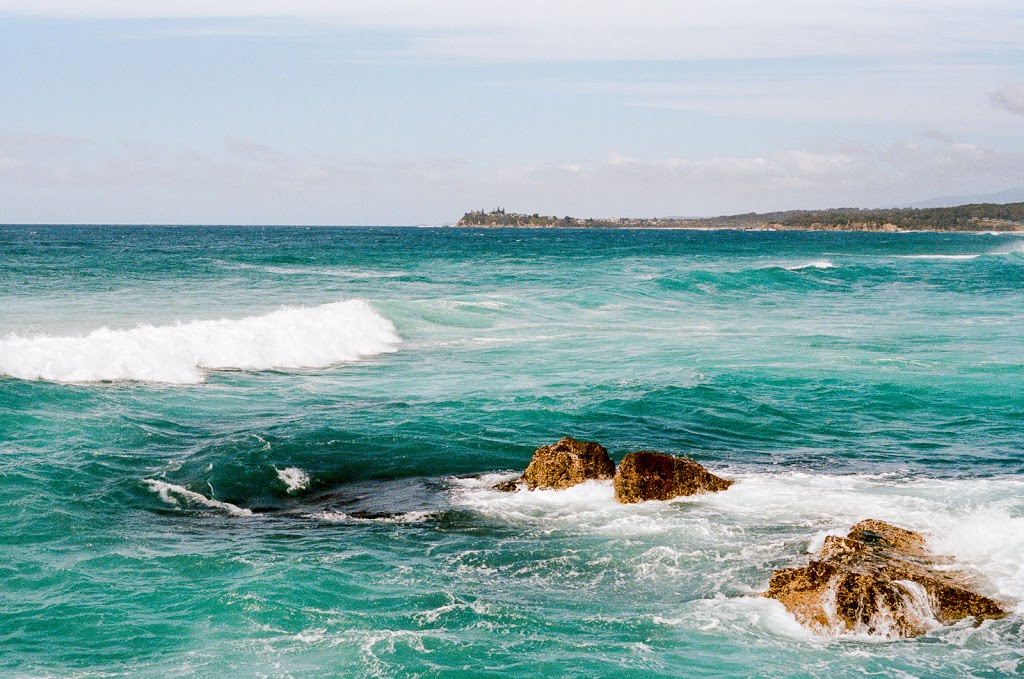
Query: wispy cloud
528 30
1010 98
248 181
867 176
942 94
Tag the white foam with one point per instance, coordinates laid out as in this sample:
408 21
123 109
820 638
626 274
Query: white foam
170 493
582 503
778 520
951 258
289 338
816 264
342 517
294 479
756 616
977 521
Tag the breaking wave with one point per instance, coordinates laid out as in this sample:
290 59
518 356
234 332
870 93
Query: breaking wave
289 338
951 258
816 264
173 494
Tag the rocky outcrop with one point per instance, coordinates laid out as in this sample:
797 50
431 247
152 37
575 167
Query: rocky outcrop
656 476
641 476
565 464
882 580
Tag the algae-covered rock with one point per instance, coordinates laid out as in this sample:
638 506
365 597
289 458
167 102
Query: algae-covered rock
656 476
882 580
567 463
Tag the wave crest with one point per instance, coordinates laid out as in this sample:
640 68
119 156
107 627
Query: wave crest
289 338
815 264
171 494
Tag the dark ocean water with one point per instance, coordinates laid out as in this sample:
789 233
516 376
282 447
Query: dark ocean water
268 451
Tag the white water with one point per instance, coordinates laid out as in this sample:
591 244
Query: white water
951 258
289 338
172 494
779 520
816 264
342 517
294 479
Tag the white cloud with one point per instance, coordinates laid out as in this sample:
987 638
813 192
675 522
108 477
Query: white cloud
524 30
1011 98
248 182
942 94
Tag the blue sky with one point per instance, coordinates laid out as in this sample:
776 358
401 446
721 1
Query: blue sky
404 112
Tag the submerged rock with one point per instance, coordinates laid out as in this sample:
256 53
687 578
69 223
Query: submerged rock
656 476
510 486
565 464
880 579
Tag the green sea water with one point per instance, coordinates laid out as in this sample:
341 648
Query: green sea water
269 451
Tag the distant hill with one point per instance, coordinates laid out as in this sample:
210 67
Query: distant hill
969 217
1014 195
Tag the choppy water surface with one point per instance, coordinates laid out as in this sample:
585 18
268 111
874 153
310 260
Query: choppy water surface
268 451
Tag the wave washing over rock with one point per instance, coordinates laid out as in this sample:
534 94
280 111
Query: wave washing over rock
289 338
973 544
641 476
879 580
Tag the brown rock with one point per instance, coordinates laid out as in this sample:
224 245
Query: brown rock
510 486
656 476
567 463
884 537
880 579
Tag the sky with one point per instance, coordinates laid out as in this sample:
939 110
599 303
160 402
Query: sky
414 112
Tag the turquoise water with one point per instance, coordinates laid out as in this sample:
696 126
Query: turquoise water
268 451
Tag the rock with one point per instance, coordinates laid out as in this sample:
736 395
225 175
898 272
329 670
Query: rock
885 538
656 476
567 463
882 580
510 486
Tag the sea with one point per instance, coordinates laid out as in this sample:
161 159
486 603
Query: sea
270 451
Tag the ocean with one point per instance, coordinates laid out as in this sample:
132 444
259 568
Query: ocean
269 451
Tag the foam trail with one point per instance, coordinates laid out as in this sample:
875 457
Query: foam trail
170 493
951 258
816 264
292 337
342 517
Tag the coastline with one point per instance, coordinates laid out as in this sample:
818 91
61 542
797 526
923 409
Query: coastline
971 218
540 227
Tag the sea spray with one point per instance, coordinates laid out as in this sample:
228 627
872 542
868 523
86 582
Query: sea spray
295 480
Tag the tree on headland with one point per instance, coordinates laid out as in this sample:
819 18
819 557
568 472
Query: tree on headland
972 217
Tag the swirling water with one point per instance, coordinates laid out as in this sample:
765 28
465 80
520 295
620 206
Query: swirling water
268 451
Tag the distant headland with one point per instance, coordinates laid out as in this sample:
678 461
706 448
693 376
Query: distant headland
972 217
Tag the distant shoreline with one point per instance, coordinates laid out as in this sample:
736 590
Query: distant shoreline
997 232
972 218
